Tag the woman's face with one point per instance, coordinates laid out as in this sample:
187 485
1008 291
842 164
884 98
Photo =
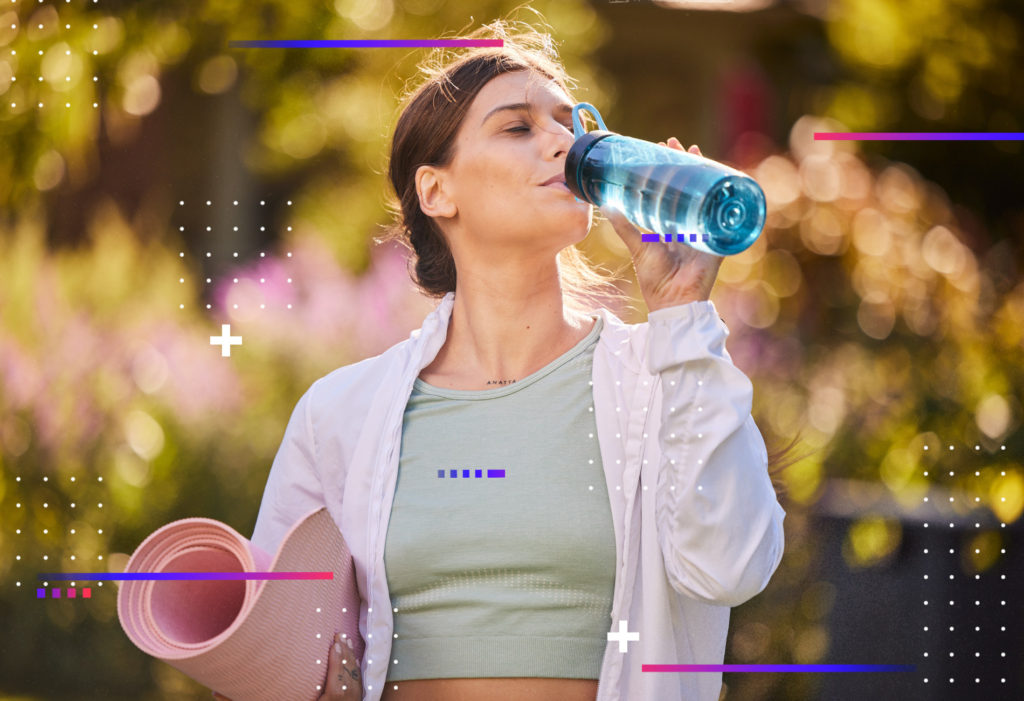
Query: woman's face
494 192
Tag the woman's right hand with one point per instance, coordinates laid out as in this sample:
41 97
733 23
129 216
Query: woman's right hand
344 682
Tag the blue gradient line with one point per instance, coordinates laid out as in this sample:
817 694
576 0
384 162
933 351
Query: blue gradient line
177 576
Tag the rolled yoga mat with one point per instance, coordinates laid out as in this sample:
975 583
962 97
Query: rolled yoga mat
249 640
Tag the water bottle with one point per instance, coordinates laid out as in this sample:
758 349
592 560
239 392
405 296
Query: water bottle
705 204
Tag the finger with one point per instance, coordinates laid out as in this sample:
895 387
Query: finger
335 672
674 143
695 149
343 678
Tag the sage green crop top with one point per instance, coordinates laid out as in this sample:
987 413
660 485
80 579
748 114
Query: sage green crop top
500 550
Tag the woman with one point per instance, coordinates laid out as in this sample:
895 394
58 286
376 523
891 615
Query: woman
634 495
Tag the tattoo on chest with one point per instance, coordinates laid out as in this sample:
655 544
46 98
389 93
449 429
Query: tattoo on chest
499 382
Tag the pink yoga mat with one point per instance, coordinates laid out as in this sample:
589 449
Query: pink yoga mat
250 640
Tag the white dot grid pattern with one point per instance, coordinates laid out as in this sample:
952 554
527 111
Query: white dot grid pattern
234 255
952 576
69 555
56 26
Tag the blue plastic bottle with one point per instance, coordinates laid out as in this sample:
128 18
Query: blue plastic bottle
676 194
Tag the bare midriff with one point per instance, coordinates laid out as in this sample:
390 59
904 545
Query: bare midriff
500 689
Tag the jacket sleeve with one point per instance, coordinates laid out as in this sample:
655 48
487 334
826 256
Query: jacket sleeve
718 520
293 487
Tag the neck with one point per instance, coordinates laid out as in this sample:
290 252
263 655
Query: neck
508 324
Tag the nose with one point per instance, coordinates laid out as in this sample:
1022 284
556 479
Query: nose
563 139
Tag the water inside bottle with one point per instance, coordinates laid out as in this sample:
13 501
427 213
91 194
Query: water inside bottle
712 212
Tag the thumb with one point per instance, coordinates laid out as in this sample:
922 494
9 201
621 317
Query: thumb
630 235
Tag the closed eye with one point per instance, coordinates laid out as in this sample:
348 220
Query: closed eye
522 129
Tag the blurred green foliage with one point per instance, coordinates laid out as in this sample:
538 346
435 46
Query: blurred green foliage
950 66
863 314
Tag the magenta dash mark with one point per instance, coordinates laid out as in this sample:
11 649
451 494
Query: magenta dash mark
71 593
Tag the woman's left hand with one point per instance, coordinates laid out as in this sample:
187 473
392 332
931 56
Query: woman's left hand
343 681
669 274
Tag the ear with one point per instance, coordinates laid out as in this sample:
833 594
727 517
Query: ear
431 188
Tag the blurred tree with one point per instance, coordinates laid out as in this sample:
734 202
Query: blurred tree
949 66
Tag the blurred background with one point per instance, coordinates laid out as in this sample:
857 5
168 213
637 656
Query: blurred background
156 184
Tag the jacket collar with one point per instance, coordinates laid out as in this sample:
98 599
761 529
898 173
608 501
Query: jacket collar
426 341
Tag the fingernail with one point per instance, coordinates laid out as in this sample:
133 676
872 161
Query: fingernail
350 643
337 647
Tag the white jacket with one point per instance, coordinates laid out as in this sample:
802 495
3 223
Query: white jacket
698 528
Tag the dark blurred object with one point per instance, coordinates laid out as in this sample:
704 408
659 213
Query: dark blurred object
880 610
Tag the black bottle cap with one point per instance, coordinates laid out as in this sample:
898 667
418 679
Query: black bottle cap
575 157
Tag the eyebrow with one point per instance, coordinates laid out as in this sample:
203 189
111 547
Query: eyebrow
562 108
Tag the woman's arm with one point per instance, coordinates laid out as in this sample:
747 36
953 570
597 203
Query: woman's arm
719 522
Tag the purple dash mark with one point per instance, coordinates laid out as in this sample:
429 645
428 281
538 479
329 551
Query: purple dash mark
777 668
917 136
477 473
361 43
681 238
71 593
55 593
178 576
40 593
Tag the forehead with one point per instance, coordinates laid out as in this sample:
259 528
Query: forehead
517 86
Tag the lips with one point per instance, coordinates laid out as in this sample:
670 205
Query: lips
559 178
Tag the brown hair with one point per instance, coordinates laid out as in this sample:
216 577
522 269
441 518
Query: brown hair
430 117
782 456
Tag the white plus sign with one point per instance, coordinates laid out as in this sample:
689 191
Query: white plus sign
623 635
225 340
